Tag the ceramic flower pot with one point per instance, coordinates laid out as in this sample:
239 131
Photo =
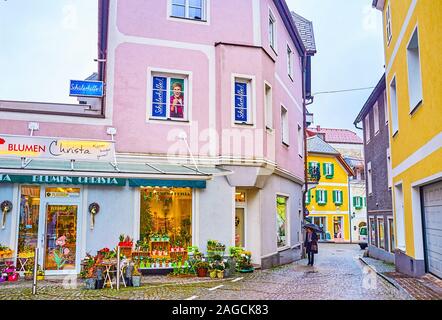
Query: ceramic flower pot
89 283
220 274
202 272
40 278
212 274
136 281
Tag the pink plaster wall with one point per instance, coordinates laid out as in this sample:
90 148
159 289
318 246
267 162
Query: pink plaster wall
230 21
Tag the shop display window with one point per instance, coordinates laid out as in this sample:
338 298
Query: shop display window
281 221
28 221
165 222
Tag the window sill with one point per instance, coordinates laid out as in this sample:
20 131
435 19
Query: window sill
247 124
188 19
168 119
416 108
286 247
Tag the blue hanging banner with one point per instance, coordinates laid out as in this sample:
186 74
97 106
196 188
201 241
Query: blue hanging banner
83 88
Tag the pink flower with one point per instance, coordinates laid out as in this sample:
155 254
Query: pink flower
61 241
66 251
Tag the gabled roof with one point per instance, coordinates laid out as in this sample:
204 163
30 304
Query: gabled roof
336 135
305 30
378 4
289 24
380 87
317 145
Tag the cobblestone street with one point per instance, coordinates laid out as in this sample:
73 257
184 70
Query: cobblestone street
338 274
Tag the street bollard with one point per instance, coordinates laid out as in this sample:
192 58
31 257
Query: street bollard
118 268
34 284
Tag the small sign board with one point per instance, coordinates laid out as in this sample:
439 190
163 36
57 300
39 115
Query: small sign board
86 88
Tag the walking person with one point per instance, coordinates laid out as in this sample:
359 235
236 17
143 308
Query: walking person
311 245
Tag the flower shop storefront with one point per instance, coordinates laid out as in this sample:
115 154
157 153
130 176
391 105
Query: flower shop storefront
68 216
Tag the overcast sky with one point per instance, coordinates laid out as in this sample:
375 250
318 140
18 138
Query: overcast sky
350 55
58 39
48 42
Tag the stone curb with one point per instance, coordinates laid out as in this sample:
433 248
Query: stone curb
388 279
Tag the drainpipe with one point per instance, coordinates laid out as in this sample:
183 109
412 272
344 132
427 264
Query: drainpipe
349 207
304 114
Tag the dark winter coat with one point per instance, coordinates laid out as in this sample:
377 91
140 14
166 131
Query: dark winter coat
313 243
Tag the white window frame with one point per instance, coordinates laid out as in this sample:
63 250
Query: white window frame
376 118
389 169
251 100
287 226
367 128
273 28
177 74
300 141
328 169
205 5
414 71
285 126
391 245
388 25
321 196
369 179
339 197
394 106
290 61
268 105
381 241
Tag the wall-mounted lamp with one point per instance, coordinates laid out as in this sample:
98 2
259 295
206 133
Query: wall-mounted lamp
6 207
94 208
33 126
112 132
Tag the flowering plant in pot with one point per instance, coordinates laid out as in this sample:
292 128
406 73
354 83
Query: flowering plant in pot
201 268
40 273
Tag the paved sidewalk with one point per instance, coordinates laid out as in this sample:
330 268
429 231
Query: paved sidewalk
427 287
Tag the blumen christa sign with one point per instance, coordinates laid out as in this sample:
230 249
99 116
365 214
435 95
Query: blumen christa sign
56 148
65 180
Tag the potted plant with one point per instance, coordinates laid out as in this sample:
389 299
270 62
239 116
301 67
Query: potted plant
40 273
136 277
212 271
201 268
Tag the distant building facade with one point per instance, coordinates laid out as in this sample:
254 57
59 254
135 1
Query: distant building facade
374 118
351 148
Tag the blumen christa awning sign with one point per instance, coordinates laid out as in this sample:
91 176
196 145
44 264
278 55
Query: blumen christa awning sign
56 148
65 180
83 88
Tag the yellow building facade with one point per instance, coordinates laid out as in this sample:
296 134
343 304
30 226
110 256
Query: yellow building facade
328 201
413 56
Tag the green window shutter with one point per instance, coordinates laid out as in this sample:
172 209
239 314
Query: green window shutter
307 200
334 196
332 170
365 201
354 201
317 196
324 169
